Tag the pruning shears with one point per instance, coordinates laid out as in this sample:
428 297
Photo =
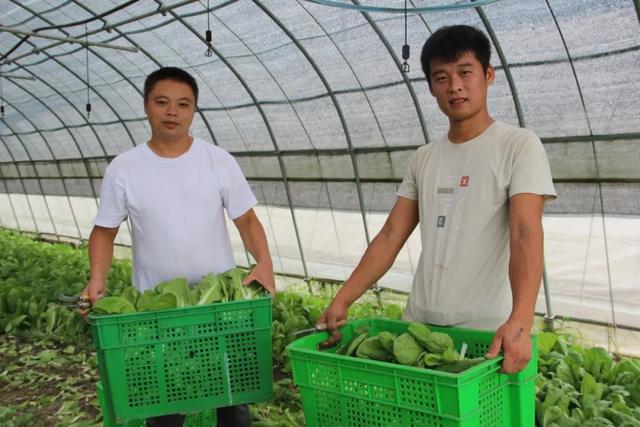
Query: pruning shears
81 302
320 327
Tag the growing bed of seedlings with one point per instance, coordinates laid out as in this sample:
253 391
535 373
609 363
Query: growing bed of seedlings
48 367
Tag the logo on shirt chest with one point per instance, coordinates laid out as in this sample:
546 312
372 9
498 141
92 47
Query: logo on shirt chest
464 181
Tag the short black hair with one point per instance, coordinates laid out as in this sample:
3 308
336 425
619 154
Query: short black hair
450 43
170 73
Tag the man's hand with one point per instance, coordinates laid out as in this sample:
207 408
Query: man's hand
94 290
515 342
263 274
334 316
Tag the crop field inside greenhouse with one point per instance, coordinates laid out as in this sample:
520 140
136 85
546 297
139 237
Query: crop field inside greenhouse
321 213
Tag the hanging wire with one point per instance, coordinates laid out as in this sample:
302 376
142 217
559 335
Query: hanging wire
405 49
86 38
1 96
209 51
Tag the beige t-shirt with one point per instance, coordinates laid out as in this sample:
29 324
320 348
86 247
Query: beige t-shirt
463 192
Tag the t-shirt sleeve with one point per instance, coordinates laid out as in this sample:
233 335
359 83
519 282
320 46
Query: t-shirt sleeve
408 188
113 201
531 172
237 197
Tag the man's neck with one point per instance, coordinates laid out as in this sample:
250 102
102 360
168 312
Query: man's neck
466 130
170 148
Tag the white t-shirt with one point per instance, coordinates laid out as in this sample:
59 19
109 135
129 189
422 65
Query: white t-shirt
176 210
463 192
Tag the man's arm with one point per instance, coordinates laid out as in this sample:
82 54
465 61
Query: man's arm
525 274
376 261
100 256
255 240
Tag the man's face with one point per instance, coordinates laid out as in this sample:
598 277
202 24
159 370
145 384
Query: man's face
460 87
170 108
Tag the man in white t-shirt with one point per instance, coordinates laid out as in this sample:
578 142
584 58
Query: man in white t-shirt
478 194
174 189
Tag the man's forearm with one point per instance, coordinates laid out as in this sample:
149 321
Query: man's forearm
525 273
101 252
255 240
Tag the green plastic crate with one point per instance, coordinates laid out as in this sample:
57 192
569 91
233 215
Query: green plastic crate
340 391
207 418
184 360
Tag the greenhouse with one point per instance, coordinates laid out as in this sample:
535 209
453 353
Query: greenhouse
322 104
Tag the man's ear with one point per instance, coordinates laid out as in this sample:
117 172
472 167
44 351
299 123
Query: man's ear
490 75
430 88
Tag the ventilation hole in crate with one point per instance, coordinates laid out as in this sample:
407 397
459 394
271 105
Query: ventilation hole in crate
243 362
491 409
383 393
177 332
418 394
141 375
488 383
420 419
357 388
325 376
478 349
138 332
362 413
233 320
204 329
193 369
328 409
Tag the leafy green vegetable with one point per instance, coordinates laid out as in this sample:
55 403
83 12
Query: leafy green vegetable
210 289
393 312
255 290
420 332
546 342
450 356
591 390
406 349
587 385
131 294
113 305
179 288
597 422
438 342
234 279
431 360
386 339
371 348
351 350
598 363
156 301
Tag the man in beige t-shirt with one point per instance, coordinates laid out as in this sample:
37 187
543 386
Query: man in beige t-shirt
478 195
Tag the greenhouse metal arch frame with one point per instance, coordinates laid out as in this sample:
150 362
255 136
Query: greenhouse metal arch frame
320 134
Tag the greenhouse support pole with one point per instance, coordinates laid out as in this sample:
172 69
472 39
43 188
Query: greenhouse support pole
62 39
336 104
598 174
13 210
404 76
15 76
